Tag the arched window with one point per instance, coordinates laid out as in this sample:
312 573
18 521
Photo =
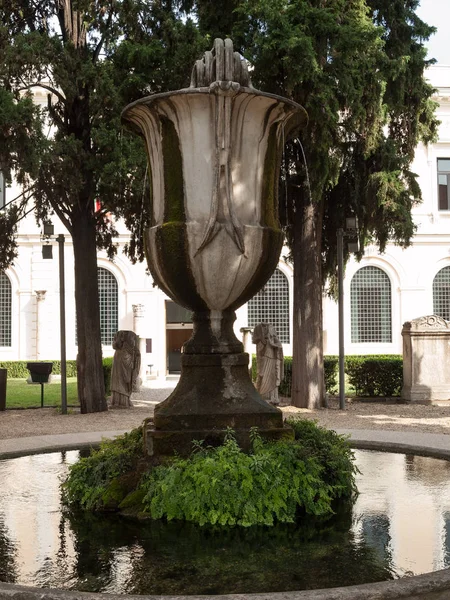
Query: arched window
370 302
5 310
441 294
271 305
109 300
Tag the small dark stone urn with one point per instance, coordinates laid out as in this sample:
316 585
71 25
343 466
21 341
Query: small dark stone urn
214 152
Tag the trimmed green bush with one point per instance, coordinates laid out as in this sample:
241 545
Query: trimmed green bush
107 370
330 365
376 375
286 384
17 369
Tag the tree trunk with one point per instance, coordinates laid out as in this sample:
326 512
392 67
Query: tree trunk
308 384
91 386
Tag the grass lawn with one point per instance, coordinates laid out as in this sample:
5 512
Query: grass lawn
20 394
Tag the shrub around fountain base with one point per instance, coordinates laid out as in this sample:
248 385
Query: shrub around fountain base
275 482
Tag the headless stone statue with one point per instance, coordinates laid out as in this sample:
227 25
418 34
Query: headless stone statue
269 361
125 369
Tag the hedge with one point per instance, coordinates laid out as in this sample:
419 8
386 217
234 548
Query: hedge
107 369
371 375
375 375
17 369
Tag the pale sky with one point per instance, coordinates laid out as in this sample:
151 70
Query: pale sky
437 13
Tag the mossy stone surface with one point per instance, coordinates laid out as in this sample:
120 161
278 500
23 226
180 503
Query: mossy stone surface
114 494
174 209
269 213
173 257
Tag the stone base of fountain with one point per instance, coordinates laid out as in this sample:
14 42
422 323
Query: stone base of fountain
214 394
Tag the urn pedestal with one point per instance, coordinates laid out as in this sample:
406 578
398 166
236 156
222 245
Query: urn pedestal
214 153
214 393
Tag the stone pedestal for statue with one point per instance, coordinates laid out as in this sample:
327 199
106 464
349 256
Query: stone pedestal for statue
269 362
426 360
125 369
247 343
138 327
214 154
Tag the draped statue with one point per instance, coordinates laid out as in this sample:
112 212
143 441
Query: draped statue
125 369
269 361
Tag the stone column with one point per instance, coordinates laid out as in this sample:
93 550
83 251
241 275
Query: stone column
40 297
247 341
138 328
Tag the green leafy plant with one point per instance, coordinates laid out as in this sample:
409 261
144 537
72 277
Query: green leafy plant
274 482
225 486
93 481
331 450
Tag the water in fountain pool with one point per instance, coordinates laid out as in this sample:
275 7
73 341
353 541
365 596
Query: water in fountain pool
400 525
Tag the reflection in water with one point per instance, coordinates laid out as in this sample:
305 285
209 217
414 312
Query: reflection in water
402 500
8 568
375 532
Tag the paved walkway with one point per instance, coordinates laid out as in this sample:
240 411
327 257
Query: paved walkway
392 426
428 444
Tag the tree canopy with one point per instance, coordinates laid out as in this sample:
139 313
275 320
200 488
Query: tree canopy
92 59
357 67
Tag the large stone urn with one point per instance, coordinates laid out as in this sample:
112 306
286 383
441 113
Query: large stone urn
214 152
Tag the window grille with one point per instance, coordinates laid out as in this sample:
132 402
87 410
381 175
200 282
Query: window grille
370 306
5 310
271 305
109 300
441 294
443 173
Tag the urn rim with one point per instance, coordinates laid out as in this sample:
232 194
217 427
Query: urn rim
299 116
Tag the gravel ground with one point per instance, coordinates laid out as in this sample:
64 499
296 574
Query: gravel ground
387 415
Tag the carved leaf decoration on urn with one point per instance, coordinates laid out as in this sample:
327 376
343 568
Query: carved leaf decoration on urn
224 72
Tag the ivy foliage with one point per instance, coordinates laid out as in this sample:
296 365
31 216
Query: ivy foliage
275 482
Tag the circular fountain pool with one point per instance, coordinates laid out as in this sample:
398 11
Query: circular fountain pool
399 526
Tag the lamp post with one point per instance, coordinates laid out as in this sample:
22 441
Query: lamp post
47 253
351 230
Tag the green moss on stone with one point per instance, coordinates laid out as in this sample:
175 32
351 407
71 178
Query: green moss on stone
133 500
173 249
114 494
150 194
270 182
173 174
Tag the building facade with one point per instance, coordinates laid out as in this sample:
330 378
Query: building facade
381 292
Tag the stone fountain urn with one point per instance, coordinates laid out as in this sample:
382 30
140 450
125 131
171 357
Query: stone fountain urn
214 152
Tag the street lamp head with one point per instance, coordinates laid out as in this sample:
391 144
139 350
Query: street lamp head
351 223
48 228
353 247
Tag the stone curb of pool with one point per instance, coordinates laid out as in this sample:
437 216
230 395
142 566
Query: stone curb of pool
430 586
